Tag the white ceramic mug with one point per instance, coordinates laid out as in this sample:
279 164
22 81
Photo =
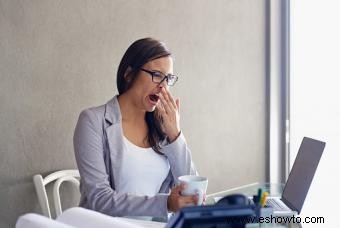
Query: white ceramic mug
194 185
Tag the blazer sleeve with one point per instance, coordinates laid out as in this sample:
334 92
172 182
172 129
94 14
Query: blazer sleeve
179 157
95 185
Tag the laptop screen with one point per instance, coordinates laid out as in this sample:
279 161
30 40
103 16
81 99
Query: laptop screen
302 173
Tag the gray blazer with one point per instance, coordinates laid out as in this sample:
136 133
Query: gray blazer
98 147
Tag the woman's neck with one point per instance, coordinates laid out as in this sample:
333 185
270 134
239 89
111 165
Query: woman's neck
130 112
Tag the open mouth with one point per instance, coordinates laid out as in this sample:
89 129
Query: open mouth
154 98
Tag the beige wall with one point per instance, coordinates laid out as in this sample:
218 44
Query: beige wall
59 57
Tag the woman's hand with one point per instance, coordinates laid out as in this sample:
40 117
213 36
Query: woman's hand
177 201
168 109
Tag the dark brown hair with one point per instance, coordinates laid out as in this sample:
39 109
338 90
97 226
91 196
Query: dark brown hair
139 53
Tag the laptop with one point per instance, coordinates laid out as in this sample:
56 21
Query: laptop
299 180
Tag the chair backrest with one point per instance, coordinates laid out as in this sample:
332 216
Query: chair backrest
59 177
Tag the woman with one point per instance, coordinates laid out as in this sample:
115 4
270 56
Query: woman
131 150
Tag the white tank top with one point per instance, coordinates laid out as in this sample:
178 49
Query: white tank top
143 170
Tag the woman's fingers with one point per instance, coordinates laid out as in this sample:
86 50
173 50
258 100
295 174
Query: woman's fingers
168 98
177 201
177 189
158 113
160 108
187 199
169 104
190 199
169 111
166 105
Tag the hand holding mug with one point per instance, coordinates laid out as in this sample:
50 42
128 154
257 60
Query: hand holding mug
194 185
177 201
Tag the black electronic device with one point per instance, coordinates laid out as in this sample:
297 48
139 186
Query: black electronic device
234 199
232 211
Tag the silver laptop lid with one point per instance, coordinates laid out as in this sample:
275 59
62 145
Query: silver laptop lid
302 173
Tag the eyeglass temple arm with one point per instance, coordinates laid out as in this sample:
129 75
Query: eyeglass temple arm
166 77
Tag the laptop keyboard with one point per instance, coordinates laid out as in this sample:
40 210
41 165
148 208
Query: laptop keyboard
274 204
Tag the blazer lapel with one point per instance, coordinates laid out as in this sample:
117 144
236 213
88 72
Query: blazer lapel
114 134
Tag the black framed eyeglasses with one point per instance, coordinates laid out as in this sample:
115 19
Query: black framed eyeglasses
159 77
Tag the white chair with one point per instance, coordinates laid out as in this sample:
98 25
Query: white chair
59 177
